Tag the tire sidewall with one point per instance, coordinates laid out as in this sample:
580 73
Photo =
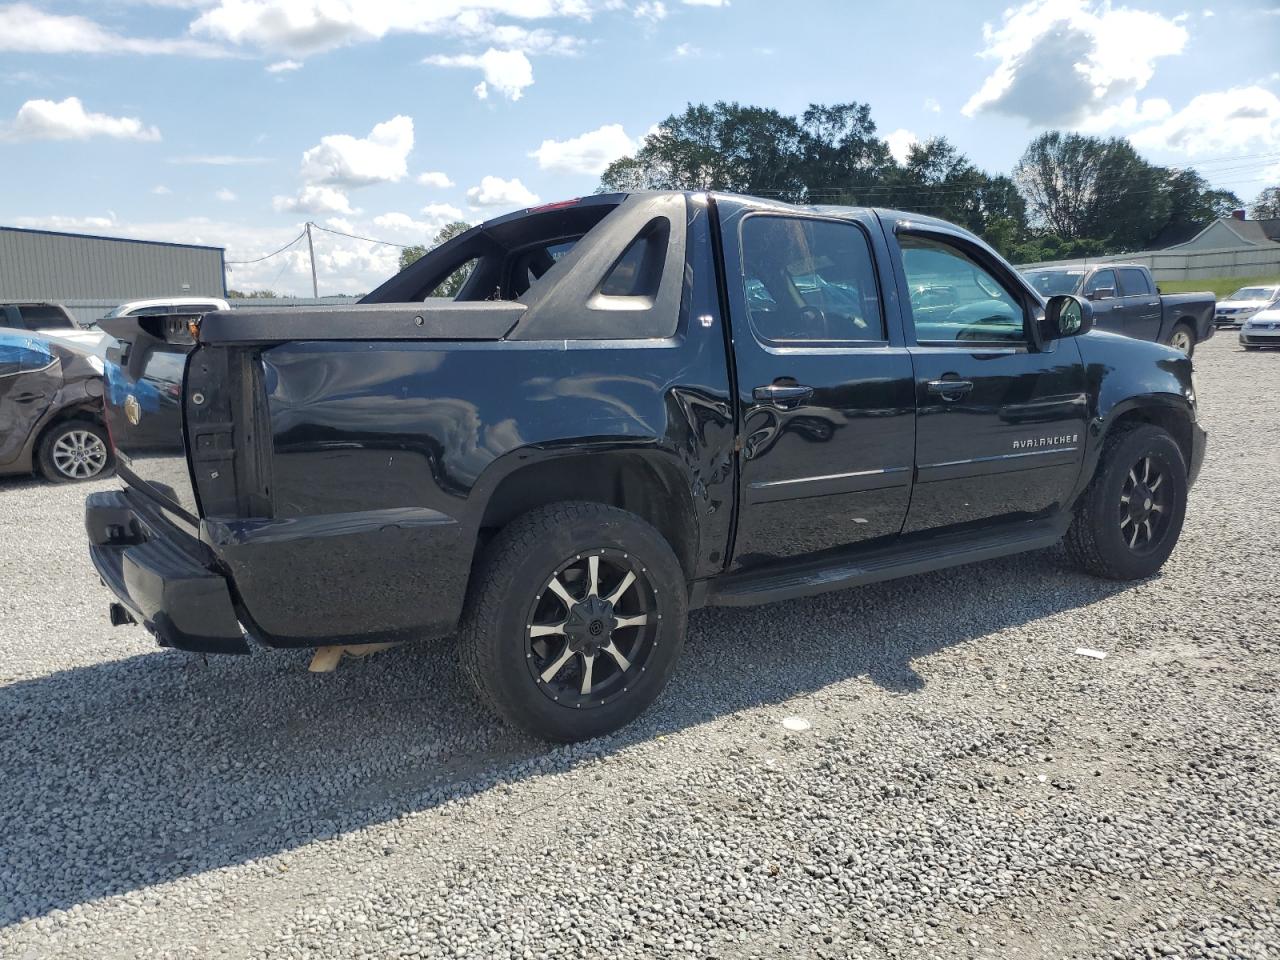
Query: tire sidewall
512 687
1191 337
44 457
1142 442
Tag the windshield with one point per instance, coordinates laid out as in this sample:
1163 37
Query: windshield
1254 293
1051 283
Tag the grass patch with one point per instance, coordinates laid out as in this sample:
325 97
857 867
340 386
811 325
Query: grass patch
1222 287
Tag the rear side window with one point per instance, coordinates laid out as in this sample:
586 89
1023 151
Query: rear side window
809 280
1134 283
22 355
454 282
45 318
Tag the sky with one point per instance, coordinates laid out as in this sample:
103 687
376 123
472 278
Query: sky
233 122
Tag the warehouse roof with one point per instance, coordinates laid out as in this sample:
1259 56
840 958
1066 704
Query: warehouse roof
91 236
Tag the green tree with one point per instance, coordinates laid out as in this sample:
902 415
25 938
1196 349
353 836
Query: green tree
1267 205
841 160
1192 200
451 284
411 255
252 295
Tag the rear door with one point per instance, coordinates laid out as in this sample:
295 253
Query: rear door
1141 303
30 377
1108 307
825 395
1000 424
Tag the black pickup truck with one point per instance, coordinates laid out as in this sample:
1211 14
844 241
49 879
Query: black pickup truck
1126 300
635 405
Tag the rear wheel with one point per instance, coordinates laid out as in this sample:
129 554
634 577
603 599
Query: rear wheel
575 621
1129 519
1183 339
74 450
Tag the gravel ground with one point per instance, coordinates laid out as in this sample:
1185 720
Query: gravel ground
968 785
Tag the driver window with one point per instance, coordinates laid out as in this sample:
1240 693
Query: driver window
954 298
809 280
1101 286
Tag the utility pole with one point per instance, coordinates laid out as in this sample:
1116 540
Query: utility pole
315 287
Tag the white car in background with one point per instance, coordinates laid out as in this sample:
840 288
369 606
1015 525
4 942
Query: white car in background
1244 303
1261 330
142 308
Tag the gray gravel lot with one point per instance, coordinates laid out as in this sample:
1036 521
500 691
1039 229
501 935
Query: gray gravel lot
968 787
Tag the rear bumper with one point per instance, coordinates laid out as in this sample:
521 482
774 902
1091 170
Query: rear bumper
1256 337
161 575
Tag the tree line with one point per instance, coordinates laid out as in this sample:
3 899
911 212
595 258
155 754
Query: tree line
1070 195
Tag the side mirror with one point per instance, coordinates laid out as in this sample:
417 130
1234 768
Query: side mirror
1067 315
1102 293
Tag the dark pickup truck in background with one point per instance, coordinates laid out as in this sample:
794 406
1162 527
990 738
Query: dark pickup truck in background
635 405
1126 300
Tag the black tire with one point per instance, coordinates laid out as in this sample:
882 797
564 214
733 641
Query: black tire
74 451
1182 333
1100 540
512 595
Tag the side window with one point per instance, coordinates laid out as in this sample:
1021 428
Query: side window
809 280
1134 283
954 298
1101 286
22 355
453 283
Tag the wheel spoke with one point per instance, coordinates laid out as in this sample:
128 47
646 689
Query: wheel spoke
593 576
637 621
1134 539
549 674
558 588
1147 524
1157 508
1125 521
586 674
623 663
1153 487
622 588
546 630
1146 469
1133 476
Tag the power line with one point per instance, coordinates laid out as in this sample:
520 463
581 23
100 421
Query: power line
352 236
240 263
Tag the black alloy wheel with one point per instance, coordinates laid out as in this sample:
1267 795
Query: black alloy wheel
1144 512
592 628
574 621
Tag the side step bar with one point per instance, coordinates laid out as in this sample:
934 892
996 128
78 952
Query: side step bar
855 570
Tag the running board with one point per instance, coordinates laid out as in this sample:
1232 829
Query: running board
806 579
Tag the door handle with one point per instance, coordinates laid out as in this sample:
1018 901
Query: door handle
950 390
28 397
784 396
1118 306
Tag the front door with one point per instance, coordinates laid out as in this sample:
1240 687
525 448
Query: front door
825 391
1001 423
1142 303
1109 309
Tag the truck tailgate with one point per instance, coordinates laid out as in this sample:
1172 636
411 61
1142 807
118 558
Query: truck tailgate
143 398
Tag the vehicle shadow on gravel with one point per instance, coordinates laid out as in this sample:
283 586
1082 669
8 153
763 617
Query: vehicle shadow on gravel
133 772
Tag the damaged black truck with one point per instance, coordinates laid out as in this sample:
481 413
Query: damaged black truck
635 405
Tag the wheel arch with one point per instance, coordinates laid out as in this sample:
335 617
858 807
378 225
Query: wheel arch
648 483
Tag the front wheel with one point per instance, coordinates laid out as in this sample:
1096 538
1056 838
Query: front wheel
1129 519
1183 339
575 620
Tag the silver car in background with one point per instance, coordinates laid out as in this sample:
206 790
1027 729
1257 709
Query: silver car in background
1244 303
1261 330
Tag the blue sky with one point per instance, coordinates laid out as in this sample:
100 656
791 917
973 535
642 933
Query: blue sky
234 121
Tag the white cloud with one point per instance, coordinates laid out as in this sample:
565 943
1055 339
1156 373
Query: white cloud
496 192
434 178
314 199
481 90
442 211
932 105
1127 113
68 120
1217 123
342 160
225 195
900 143
26 29
1061 61
303 27
219 160
589 153
160 190
687 50
650 10
284 66
706 3
402 227
507 71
